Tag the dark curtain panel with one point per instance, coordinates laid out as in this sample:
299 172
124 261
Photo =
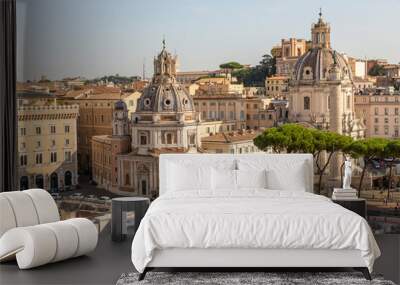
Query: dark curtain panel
8 108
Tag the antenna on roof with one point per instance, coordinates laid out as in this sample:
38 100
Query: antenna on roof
144 69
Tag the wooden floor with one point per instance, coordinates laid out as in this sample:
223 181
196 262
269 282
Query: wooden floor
111 259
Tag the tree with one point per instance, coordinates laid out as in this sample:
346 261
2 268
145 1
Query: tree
230 66
291 138
391 153
255 76
377 70
295 138
330 143
369 149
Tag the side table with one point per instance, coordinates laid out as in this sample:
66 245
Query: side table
123 210
357 205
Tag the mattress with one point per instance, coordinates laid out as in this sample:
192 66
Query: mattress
250 219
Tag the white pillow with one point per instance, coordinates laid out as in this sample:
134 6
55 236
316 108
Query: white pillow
183 178
224 179
280 179
251 178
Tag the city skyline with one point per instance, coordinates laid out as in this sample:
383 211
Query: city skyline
61 38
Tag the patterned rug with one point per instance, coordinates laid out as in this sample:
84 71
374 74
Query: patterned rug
244 278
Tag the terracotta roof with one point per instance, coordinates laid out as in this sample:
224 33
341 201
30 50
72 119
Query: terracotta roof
158 151
228 137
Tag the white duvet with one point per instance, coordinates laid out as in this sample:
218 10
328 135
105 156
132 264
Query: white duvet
253 218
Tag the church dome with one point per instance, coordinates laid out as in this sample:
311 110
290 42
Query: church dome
164 93
165 97
315 64
120 105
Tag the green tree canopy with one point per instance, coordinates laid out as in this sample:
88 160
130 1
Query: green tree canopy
255 76
377 70
294 138
231 65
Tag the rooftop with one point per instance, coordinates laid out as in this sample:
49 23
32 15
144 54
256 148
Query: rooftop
231 137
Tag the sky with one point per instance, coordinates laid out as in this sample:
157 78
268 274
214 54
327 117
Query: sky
92 38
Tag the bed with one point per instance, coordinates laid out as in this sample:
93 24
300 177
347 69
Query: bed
246 211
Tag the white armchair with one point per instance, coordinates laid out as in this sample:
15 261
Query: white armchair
31 230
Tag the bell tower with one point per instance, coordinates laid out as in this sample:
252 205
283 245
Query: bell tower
321 33
164 66
120 119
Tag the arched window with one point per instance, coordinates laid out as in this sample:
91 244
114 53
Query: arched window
68 178
54 182
24 183
306 103
39 181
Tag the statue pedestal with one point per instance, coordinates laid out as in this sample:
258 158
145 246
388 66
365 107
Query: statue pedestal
344 194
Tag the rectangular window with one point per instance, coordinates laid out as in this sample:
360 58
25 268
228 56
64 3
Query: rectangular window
66 141
53 143
376 111
68 156
396 111
52 129
53 157
386 120
38 130
23 132
376 130
38 144
143 139
66 129
386 111
386 130
39 158
23 160
376 120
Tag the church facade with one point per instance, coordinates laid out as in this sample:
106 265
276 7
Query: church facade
165 121
321 89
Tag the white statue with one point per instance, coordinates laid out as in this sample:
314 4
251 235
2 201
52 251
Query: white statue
347 174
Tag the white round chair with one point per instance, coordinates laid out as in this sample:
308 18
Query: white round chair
31 230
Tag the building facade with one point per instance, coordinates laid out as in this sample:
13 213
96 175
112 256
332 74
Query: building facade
47 146
379 109
96 105
290 51
234 142
106 148
277 86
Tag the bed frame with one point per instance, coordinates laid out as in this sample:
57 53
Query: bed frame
247 259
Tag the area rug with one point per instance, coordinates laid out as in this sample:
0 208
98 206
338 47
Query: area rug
244 278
